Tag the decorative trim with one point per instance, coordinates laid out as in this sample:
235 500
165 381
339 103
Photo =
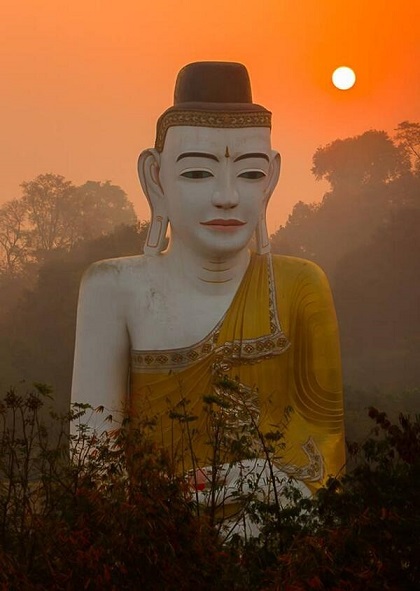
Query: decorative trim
175 359
248 351
314 470
238 119
156 240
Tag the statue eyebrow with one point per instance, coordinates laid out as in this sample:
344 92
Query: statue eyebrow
197 155
253 155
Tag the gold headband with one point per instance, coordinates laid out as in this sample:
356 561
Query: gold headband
233 119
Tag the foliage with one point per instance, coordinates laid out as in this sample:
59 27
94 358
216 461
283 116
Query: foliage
103 207
103 513
108 513
48 202
369 158
362 532
54 214
14 238
408 137
237 472
295 238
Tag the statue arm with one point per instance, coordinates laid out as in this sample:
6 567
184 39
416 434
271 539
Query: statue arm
317 391
101 359
321 386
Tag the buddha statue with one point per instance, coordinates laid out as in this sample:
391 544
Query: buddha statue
201 320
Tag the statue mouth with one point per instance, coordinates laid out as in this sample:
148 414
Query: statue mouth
222 223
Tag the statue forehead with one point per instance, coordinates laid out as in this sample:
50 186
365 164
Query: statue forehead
186 138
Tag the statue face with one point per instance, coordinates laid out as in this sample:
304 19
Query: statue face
216 185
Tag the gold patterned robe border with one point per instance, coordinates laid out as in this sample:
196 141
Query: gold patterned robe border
209 119
314 470
174 359
250 351
227 355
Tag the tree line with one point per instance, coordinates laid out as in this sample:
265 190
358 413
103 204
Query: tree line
364 234
54 214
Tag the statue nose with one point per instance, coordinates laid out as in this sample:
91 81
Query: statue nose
226 195
225 201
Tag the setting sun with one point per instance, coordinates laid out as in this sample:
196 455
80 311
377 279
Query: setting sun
343 78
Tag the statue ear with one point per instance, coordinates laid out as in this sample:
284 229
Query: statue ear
261 231
148 170
273 173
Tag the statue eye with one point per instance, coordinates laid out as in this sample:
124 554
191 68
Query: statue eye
196 174
252 174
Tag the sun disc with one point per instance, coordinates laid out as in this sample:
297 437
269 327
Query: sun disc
343 78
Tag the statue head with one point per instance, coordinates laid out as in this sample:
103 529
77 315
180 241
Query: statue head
212 152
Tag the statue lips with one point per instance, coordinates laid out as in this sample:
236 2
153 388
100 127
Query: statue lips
224 225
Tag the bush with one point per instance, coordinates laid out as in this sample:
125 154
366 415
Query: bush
360 532
89 512
86 512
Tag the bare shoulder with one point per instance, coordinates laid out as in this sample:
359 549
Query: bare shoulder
118 272
121 286
112 268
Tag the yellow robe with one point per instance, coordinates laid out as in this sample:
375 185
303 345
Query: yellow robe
279 344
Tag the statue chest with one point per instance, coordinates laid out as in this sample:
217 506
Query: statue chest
158 320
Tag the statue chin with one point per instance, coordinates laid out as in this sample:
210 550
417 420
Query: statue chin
210 243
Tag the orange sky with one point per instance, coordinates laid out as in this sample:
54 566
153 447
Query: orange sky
83 83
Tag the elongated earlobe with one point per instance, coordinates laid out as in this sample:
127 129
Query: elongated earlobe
261 235
148 170
262 239
156 241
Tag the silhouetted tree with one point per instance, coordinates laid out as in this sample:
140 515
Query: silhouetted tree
48 205
369 158
408 137
295 237
13 237
102 207
370 178
54 214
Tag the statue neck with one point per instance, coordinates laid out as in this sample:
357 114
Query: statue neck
213 275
